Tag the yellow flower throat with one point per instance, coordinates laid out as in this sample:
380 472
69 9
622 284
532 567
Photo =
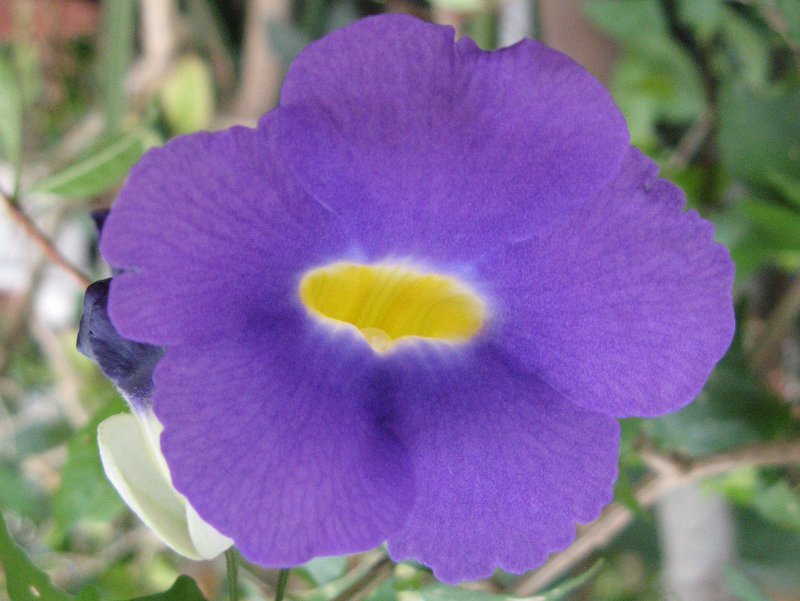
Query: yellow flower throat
388 303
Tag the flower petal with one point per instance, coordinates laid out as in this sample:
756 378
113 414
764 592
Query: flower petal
136 473
276 441
504 466
210 231
626 307
412 136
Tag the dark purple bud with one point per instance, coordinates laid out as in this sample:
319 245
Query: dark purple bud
128 364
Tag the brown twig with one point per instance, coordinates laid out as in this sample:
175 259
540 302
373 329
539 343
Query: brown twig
776 327
691 143
43 242
671 474
373 574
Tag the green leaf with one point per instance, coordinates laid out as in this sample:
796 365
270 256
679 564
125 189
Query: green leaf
759 132
750 49
117 30
704 16
779 226
626 20
18 494
571 584
775 502
441 592
656 81
785 185
187 96
286 39
10 113
24 581
790 11
184 589
100 169
742 587
779 504
733 410
84 492
323 570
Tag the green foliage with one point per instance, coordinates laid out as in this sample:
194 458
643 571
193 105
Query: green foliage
742 587
733 410
184 589
24 581
323 570
441 592
84 492
10 112
187 96
703 16
759 132
98 169
117 50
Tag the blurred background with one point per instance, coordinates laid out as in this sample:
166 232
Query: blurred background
708 501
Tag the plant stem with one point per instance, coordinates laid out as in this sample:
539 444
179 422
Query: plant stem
280 588
233 569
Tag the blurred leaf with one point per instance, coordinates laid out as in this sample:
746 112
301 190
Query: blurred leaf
769 553
19 495
787 186
703 16
461 6
780 505
41 436
766 233
323 570
10 113
782 16
655 81
626 20
739 486
100 169
441 592
84 492
742 587
187 96
117 49
184 589
24 581
775 502
750 49
571 584
385 592
286 39
759 132
733 410
779 225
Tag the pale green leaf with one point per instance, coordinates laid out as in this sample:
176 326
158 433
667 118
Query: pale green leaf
187 96
742 587
24 581
10 112
98 170
184 589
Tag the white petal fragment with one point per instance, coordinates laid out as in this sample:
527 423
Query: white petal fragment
133 463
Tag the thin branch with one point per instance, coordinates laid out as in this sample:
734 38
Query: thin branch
776 327
43 242
373 574
616 517
691 143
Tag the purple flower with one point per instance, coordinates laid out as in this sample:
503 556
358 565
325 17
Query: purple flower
411 305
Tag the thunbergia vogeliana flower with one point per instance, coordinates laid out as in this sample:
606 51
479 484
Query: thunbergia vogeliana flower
412 303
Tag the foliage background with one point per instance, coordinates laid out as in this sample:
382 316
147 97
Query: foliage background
708 502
